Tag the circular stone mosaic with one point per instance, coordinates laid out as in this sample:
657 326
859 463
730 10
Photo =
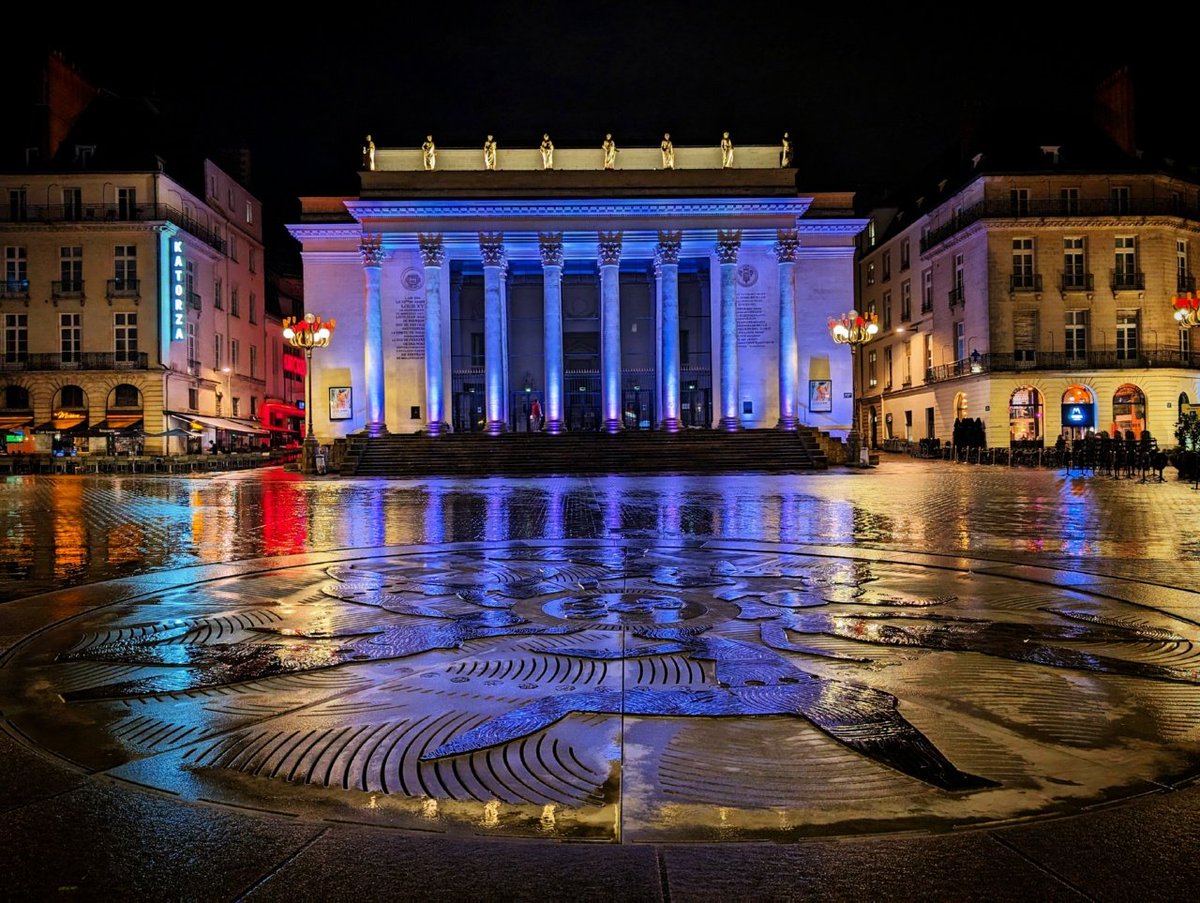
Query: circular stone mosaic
622 691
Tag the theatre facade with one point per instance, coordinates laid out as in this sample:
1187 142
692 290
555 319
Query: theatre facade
585 290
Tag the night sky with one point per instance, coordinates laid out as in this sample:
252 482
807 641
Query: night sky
868 98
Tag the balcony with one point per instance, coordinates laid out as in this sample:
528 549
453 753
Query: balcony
1077 282
89 360
1039 208
1127 281
14 288
123 288
193 367
1185 282
193 300
67 288
111 213
1025 282
956 296
1062 360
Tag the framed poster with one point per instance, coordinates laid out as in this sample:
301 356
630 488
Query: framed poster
341 403
820 396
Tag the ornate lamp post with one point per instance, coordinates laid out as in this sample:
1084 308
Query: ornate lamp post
1187 309
308 333
853 329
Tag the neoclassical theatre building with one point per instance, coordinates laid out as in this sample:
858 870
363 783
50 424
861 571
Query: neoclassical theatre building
579 290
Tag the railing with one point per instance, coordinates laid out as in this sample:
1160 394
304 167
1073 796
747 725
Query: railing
956 296
1025 282
1126 281
1039 208
1077 282
66 288
111 213
926 305
193 367
1185 282
193 300
1062 360
88 360
14 288
123 288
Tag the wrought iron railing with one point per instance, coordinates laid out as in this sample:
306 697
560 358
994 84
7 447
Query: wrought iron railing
1077 282
123 288
1126 281
1062 360
88 360
111 213
1025 282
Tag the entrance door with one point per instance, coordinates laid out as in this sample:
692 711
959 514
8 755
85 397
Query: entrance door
695 407
520 407
469 416
637 409
582 398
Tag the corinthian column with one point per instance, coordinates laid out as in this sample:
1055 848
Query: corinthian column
728 243
667 257
371 248
609 254
789 353
551 246
491 250
433 255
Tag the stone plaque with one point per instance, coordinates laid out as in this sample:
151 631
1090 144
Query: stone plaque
408 328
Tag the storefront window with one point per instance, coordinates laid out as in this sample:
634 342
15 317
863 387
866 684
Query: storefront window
1129 410
1025 415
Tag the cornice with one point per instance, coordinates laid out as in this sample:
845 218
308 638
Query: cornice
501 209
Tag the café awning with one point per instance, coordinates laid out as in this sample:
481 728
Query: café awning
198 421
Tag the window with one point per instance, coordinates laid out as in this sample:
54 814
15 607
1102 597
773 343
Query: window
125 337
69 338
906 364
905 300
887 310
253 361
1018 201
191 347
1068 201
16 270
887 265
872 361
218 302
253 407
960 341
127 396
927 291
930 423
477 349
16 337
1127 335
1074 264
235 306
233 251
18 205
250 219
1025 336
1125 274
125 267
871 273
1120 199
1022 264
189 284
1185 342
958 292
193 398
72 202
908 426
234 348
253 252
928 352
126 203
218 345
905 255
1075 334
71 398
887 368
253 313
229 197
237 403
871 233
1183 279
70 266
84 153
872 311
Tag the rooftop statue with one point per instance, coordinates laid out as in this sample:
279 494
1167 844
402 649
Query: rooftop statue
785 153
726 152
668 152
429 154
547 149
610 152
489 153
369 155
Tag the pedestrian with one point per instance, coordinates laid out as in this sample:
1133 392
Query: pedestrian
212 447
535 416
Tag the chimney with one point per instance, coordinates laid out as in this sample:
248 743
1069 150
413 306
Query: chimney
1113 109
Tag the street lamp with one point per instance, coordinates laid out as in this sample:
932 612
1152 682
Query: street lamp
308 333
1187 310
853 329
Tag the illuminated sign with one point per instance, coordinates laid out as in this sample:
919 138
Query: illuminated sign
1079 414
14 437
178 293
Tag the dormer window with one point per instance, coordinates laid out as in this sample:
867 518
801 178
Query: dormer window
84 153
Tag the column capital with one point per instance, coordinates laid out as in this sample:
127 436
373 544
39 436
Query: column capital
433 249
491 248
667 249
608 249
786 245
729 242
550 246
371 249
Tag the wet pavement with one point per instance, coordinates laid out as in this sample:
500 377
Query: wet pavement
923 680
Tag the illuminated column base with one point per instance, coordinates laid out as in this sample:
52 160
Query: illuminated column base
372 255
789 353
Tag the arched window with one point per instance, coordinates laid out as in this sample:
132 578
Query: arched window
1183 402
960 406
16 398
1025 415
1078 411
70 398
1129 409
125 396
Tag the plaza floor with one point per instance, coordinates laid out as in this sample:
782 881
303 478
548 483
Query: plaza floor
918 681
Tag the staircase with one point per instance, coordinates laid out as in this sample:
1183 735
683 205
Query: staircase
691 451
